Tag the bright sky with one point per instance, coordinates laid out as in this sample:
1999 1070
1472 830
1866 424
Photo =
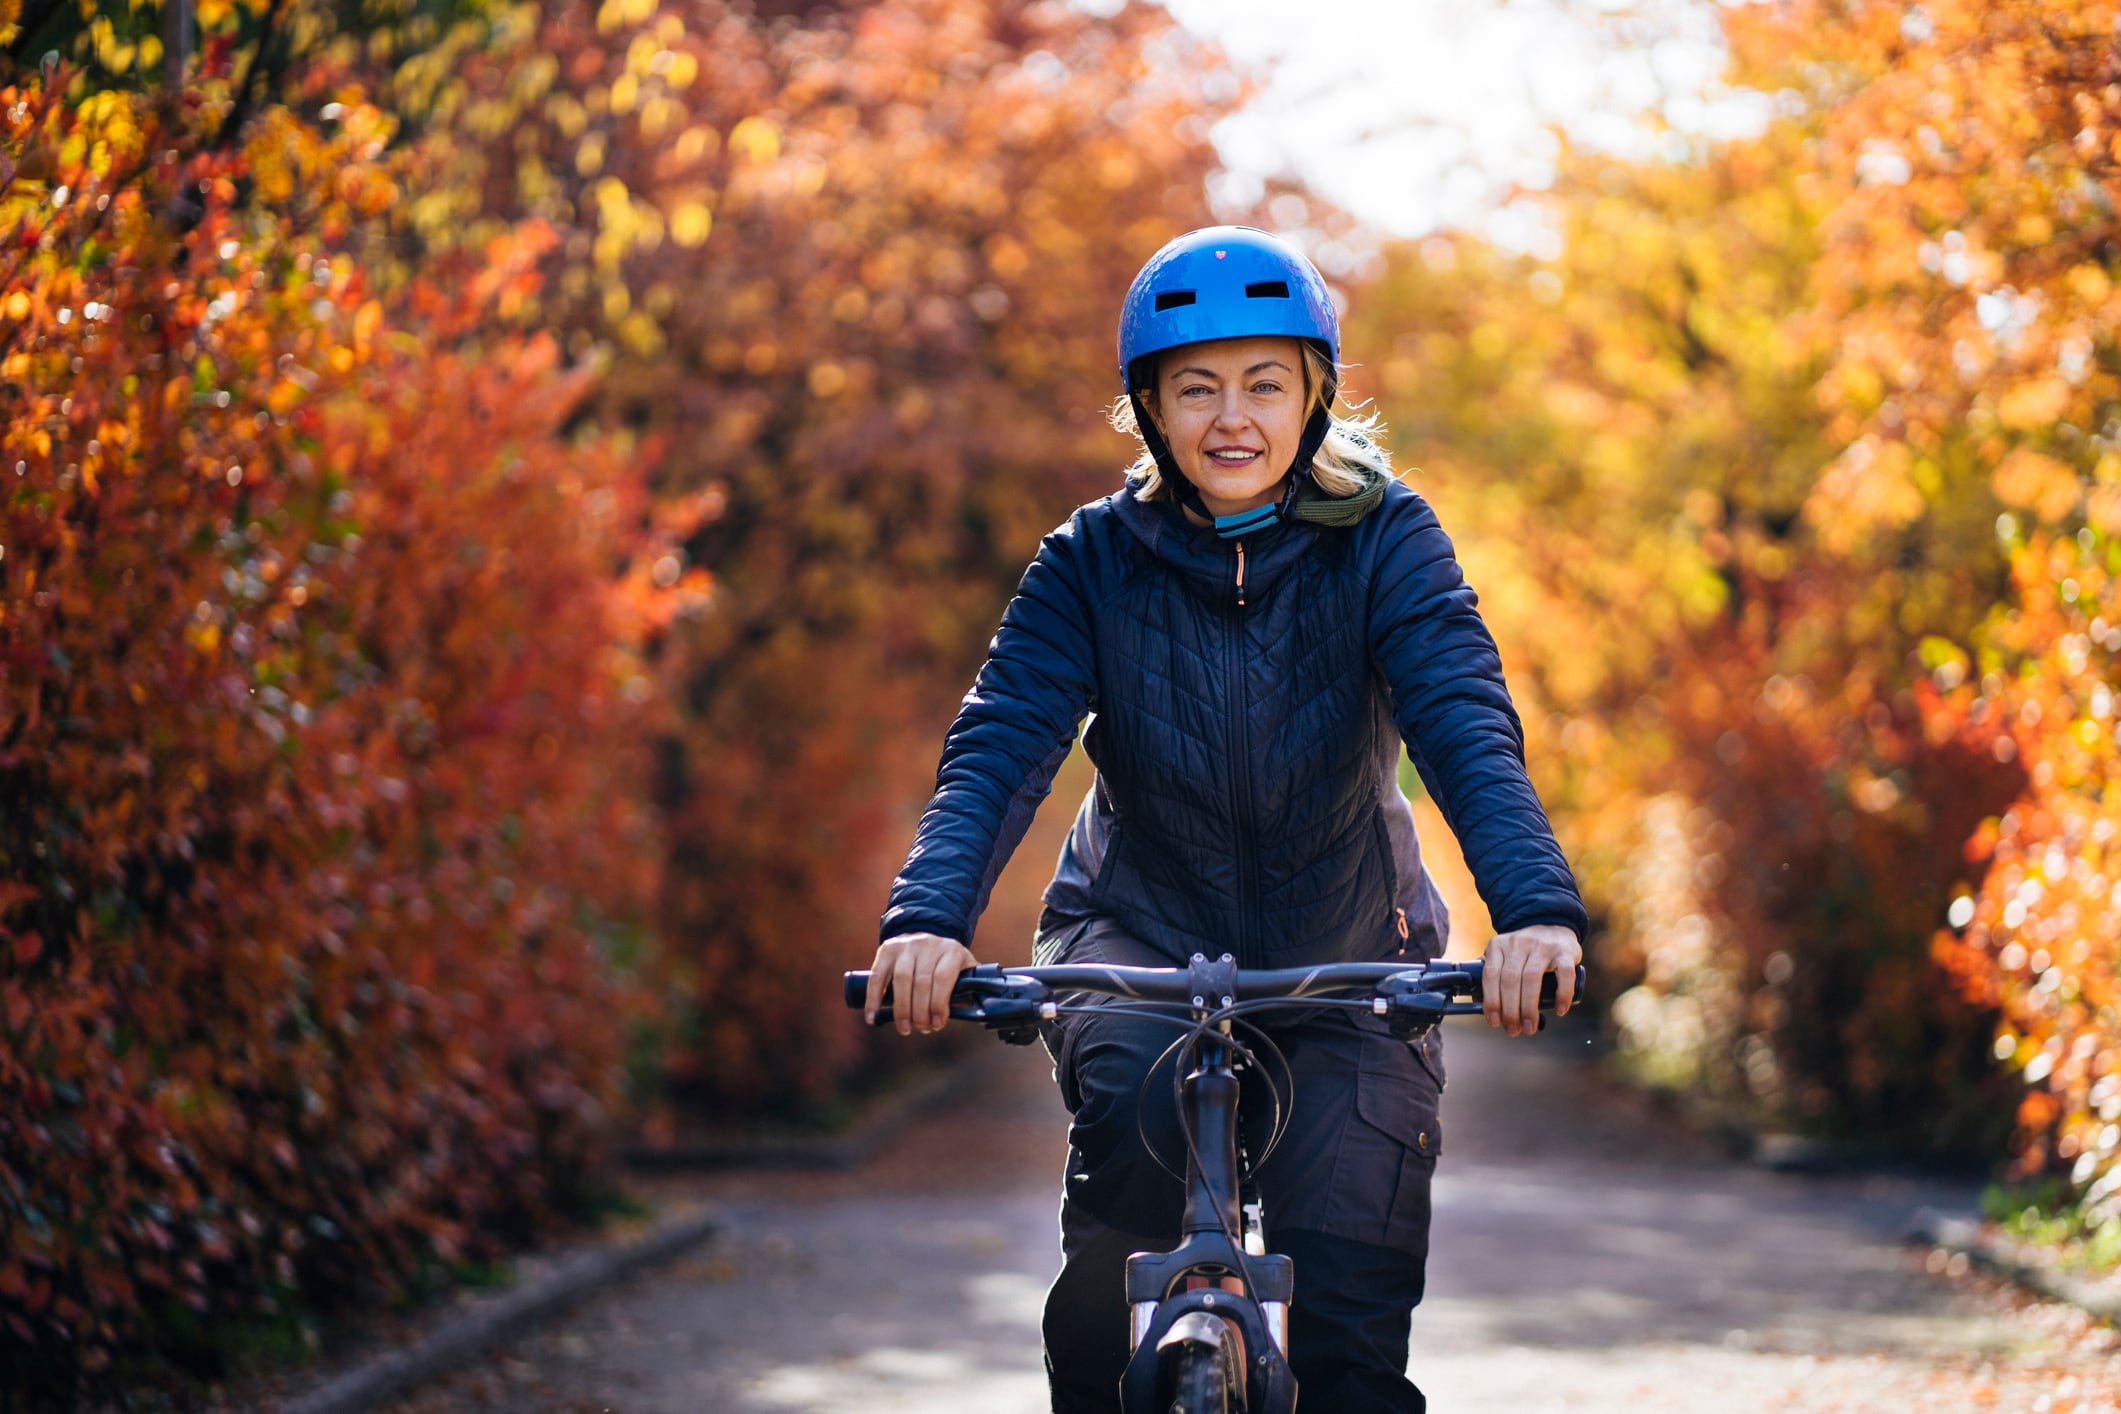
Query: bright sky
1414 114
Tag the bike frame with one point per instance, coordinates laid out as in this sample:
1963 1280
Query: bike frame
1210 1272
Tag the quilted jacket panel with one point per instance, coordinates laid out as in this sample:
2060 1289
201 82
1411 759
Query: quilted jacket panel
1246 797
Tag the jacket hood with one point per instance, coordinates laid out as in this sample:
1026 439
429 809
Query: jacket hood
1317 507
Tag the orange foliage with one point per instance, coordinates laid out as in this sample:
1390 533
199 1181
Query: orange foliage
860 277
319 834
2039 939
1790 482
341 672
1970 276
1626 441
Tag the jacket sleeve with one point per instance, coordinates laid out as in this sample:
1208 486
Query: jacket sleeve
1011 735
1454 713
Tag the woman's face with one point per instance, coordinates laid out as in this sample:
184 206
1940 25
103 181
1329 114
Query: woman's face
1233 412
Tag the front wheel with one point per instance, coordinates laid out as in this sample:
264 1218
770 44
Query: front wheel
1198 1384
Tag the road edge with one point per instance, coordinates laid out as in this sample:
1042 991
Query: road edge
464 1337
1964 1238
880 1119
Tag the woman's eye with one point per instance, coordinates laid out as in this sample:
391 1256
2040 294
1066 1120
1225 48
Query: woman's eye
1264 389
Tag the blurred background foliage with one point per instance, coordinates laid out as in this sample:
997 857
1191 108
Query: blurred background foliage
498 502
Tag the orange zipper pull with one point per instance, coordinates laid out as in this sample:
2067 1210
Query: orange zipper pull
1240 574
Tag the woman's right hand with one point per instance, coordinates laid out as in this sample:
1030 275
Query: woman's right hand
919 969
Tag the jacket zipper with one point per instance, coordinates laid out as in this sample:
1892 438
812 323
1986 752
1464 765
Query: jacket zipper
1243 765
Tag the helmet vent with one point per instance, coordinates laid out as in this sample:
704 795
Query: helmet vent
1172 299
1268 289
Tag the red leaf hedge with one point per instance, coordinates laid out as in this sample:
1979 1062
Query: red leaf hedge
319 841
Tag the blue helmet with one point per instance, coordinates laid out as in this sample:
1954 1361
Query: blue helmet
1223 282
1226 282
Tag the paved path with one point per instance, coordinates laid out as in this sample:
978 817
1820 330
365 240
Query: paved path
1587 1259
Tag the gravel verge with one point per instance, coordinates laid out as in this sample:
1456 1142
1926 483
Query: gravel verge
467 1335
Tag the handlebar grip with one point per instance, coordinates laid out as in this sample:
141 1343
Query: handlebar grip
1550 987
884 1014
854 988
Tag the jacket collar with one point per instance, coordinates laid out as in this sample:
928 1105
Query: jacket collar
1196 552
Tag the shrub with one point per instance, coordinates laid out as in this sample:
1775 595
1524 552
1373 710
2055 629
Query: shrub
320 843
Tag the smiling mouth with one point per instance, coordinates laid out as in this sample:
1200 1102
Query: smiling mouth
1235 456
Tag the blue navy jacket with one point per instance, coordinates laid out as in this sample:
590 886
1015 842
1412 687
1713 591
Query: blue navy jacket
1246 739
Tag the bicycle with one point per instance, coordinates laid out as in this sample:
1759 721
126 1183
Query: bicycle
1210 1318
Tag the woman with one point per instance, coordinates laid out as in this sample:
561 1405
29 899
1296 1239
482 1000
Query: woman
1258 620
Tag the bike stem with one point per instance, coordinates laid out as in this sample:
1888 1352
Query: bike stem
1211 1112
1210 1097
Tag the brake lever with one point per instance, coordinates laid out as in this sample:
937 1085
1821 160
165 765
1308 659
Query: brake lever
1412 1003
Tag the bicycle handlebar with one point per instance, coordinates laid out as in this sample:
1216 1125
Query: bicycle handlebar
1419 993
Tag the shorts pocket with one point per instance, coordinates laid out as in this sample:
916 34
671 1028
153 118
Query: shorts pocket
1388 1156
1396 1093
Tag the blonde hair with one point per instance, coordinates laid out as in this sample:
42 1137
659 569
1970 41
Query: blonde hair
1348 460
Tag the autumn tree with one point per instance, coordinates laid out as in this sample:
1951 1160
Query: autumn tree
859 277
1636 442
1972 157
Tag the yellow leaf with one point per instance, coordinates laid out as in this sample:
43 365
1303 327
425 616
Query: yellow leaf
695 143
2091 285
755 139
691 223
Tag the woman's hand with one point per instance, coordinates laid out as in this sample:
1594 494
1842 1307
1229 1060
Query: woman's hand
919 969
1516 964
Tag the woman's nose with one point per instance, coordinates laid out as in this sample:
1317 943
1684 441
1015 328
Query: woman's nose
1230 409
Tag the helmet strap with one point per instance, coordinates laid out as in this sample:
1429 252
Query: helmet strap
1243 523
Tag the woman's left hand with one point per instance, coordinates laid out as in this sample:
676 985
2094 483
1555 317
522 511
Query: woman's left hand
1516 963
